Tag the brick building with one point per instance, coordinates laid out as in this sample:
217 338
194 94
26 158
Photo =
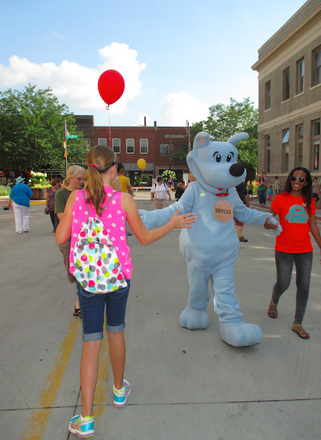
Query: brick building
86 125
156 145
289 72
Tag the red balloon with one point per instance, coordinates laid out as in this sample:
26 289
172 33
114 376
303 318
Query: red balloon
111 86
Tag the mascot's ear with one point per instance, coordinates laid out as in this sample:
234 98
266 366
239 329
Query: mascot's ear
237 138
201 140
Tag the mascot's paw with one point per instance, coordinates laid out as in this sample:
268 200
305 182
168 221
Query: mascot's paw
148 218
240 334
275 222
194 319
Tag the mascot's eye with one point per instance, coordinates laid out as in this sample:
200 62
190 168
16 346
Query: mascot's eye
229 157
218 158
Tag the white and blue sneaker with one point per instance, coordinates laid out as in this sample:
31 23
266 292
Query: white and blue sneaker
120 396
82 427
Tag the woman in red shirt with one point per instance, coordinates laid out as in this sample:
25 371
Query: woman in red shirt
296 210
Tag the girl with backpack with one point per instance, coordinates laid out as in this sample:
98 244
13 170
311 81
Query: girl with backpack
101 161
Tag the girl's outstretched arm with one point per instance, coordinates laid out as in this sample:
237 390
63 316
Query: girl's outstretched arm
146 236
63 231
273 212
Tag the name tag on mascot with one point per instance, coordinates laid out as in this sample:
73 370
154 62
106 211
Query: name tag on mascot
223 211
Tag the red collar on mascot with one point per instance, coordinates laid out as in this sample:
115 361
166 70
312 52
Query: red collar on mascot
223 194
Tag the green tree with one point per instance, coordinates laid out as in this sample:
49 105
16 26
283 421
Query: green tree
224 121
167 174
180 156
32 131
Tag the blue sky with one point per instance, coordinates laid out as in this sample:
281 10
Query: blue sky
177 58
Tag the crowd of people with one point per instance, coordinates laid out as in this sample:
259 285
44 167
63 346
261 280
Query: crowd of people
103 194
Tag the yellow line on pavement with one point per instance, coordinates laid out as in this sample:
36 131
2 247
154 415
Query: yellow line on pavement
38 202
102 382
39 418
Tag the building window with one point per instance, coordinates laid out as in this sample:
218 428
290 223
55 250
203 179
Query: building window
164 149
316 156
316 125
268 161
102 141
143 146
300 76
268 152
316 66
268 141
116 145
286 84
299 146
130 146
285 150
286 158
267 95
285 136
316 144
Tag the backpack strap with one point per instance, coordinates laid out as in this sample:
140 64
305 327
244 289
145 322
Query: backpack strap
83 191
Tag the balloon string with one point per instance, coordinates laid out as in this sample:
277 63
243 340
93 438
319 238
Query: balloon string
107 108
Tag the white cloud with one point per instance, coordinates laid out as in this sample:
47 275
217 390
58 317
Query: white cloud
56 34
140 119
76 85
180 107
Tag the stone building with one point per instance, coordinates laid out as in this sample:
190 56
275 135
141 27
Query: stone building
289 74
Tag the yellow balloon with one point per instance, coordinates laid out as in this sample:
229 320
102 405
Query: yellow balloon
141 164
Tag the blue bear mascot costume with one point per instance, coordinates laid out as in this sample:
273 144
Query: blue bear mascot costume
211 247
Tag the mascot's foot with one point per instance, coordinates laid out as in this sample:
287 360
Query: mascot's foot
194 319
240 334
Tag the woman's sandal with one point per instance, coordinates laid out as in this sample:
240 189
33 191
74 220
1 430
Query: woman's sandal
272 310
77 312
297 328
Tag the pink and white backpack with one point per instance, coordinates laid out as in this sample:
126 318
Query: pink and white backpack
96 264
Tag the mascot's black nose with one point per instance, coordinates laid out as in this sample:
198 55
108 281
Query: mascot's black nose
236 170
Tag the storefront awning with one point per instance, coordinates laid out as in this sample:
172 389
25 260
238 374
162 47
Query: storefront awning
150 166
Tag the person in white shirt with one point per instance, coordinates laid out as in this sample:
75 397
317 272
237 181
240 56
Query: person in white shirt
160 193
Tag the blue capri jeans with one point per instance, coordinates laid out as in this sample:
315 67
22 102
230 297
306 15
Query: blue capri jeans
92 308
284 264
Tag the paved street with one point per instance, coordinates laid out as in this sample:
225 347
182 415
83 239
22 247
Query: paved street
186 385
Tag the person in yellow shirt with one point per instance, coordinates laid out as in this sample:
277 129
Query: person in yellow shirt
124 181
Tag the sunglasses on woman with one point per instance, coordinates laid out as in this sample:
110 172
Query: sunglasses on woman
300 179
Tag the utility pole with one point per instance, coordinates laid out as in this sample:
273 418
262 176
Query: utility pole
170 154
67 136
188 137
65 145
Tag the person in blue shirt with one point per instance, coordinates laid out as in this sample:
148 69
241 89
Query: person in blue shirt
20 196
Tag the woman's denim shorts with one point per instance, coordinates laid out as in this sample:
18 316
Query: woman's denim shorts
92 308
